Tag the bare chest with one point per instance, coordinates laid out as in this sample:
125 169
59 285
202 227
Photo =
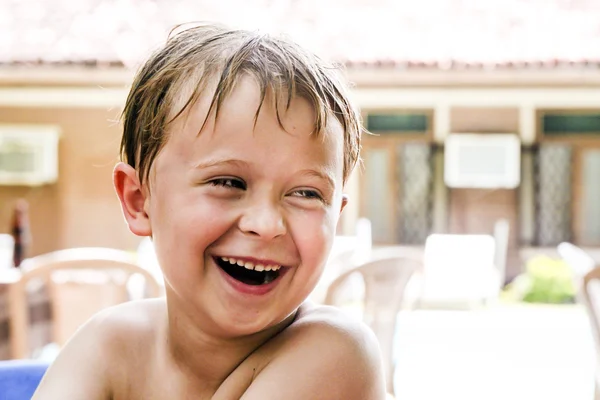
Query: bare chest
158 382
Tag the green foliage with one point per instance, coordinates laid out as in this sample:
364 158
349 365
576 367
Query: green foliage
545 280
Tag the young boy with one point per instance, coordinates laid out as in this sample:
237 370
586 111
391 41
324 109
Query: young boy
236 147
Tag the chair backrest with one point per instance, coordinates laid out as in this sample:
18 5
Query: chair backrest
79 282
19 379
460 269
147 259
341 258
586 280
455 254
7 244
385 281
590 298
578 259
580 263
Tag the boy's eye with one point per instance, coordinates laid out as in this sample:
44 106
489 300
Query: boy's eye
308 194
231 183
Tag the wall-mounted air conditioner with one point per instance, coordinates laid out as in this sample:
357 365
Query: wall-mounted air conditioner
488 161
28 154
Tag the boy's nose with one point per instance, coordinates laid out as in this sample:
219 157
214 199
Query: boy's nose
264 220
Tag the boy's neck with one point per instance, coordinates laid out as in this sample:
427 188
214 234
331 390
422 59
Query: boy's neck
204 358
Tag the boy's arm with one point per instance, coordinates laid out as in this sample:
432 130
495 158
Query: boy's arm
322 361
80 370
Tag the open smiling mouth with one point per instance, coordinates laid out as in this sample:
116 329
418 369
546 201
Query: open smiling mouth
248 273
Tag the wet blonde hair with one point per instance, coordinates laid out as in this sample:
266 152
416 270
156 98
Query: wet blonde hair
194 56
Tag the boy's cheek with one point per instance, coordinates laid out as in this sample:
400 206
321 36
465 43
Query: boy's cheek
200 222
315 235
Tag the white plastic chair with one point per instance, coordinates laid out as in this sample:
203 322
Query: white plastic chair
381 299
590 298
79 283
460 271
586 278
578 260
7 243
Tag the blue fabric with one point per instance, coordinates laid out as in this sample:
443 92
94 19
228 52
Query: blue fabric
20 378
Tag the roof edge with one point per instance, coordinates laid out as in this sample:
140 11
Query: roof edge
526 77
65 75
363 76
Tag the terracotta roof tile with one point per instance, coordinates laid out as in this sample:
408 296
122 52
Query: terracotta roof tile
445 34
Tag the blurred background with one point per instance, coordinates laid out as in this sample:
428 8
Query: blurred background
478 199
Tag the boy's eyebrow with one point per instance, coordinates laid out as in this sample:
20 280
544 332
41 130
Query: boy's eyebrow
319 174
217 162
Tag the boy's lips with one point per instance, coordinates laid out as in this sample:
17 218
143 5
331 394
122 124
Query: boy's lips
241 261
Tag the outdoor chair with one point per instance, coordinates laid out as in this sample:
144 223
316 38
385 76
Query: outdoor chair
460 271
586 279
590 298
78 282
578 260
384 281
344 255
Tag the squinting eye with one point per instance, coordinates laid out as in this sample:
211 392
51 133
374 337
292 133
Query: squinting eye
229 183
308 194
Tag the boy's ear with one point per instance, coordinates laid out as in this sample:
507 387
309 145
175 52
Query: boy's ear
133 199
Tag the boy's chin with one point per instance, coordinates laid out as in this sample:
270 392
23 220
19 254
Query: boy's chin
245 325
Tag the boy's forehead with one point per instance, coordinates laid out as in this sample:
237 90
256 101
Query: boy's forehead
238 114
245 104
190 94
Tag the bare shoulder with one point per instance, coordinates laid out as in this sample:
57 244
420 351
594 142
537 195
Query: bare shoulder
328 326
320 316
329 354
120 330
130 322
125 328
326 323
100 352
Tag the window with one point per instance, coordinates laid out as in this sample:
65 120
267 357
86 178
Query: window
559 195
399 122
568 123
378 194
553 176
590 186
567 185
397 192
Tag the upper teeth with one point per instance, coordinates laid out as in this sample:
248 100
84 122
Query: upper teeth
250 265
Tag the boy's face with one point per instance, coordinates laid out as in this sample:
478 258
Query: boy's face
244 193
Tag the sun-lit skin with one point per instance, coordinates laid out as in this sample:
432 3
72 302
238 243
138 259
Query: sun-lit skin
248 190
242 208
